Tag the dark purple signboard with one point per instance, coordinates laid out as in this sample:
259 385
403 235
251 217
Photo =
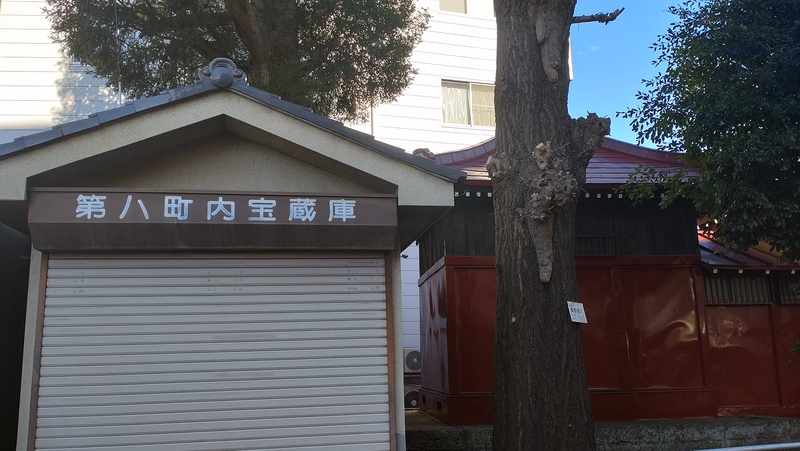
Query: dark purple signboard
109 219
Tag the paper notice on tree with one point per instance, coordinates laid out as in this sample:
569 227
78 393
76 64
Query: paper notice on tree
576 312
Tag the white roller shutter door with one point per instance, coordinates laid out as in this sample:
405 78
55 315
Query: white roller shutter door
214 354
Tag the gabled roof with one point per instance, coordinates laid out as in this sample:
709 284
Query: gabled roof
610 165
220 74
220 104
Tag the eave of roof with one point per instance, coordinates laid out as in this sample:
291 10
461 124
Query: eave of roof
610 165
237 84
715 255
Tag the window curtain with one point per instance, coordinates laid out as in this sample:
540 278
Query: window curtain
456 6
483 105
455 103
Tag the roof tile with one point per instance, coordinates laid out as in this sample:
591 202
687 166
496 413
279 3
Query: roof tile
470 154
189 91
69 128
610 165
38 138
13 146
150 102
445 159
115 113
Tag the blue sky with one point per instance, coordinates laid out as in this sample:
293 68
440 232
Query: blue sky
610 61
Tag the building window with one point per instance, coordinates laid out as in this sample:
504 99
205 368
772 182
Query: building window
454 6
750 287
468 104
787 290
477 8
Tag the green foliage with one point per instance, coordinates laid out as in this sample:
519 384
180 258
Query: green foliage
729 101
795 350
345 55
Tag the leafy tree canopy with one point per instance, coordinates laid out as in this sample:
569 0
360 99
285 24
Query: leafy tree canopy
729 100
336 56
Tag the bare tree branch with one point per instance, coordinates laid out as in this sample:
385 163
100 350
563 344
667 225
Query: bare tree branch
599 17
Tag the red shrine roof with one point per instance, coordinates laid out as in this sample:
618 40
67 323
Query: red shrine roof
609 167
716 255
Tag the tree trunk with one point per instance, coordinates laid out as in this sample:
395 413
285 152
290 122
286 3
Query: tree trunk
268 29
540 393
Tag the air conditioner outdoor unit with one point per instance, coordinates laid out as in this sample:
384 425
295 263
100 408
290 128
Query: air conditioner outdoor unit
411 398
412 361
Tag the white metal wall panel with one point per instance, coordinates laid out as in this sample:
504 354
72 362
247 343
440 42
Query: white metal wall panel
409 276
214 353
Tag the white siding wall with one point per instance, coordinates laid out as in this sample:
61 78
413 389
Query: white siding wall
38 88
456 47
410 275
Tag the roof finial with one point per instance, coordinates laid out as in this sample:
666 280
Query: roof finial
425 153
222 72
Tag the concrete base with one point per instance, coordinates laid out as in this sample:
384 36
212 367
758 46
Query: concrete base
424 433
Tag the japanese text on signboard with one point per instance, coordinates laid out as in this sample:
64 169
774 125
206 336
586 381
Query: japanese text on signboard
179 207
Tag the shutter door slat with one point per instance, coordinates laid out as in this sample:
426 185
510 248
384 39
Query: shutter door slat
215 281
207 376
219 319
218 434
246 356
90 390
102 272
111 350
213 367
116 378
222 415
202 406
202 426
65 261
214 290
216 328
196 318
221 395
73 311
238 336
208 354
237 441
184 300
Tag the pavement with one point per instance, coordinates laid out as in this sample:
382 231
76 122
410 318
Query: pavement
424 433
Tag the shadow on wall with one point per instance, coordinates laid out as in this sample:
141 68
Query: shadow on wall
80 93
14 266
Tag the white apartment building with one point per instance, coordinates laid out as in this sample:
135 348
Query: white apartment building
39 87
450 104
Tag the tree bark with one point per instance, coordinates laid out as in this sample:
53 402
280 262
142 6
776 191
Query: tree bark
540 393
599 17
268 29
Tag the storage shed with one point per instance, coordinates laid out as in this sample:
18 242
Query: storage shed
214 268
